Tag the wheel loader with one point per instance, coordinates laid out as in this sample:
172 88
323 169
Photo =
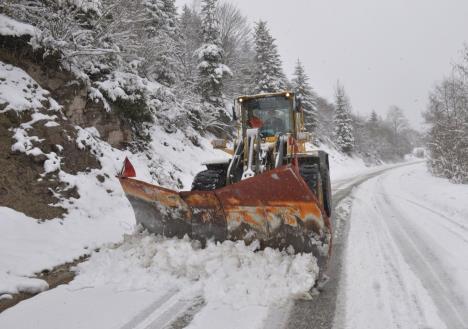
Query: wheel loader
271 189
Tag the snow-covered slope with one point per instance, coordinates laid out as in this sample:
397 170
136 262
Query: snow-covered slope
101 214
343 166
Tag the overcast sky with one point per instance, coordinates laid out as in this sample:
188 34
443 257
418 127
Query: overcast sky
385 52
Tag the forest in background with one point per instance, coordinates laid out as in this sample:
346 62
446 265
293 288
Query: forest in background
152 63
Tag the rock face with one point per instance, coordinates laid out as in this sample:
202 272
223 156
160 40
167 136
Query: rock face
66 90
24 184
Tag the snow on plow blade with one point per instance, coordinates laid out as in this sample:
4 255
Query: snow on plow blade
276 208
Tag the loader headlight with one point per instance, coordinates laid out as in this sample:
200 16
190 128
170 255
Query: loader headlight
288 95
240 100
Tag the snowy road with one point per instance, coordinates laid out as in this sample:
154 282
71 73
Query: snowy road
327 309
400 261
407 255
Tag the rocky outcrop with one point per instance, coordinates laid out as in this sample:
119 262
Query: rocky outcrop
66 89
25 185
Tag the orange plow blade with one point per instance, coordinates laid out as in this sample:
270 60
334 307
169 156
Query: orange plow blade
276 208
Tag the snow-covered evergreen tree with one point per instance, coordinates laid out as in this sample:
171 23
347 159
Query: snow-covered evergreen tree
372 125
154 11
302 88
343 132
373 119
284 83
191 39
163 47
210 55
171 18
268 75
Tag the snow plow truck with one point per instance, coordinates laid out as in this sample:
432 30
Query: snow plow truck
271 189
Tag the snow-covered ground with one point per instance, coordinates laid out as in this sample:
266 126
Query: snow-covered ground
150 282
407 254
11 27
102 214
98 217
140 278
343 166
146 280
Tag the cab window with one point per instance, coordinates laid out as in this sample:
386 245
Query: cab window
271 115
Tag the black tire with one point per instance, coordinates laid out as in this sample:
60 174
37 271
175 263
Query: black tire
327 192
311 175
208 180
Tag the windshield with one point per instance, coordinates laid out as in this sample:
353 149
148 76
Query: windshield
270 114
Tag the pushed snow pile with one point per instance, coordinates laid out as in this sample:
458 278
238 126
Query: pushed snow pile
229 272
14 28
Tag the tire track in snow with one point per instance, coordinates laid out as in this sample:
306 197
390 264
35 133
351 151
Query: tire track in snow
326 310
381 290
140 317
407 306
426 265
166 310
186 318
442 218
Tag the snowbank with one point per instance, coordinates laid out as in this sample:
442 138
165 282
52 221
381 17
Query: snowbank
228 272
231 278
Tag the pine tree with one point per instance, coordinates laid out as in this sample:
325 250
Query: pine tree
373 126
246 65
343 132
268 76
155 14
171 18
283 82
191 40
300 85
164 42
210 54
373 119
